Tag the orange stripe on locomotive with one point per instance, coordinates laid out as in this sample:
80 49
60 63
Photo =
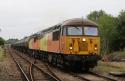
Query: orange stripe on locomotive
34 44
52 46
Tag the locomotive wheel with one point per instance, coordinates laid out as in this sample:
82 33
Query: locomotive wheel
60 59
55 60
50 58
33 53
85 69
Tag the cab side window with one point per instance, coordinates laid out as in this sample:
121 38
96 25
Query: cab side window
35 39
56 35
64 31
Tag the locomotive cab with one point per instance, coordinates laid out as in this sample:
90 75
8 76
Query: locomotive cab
80 42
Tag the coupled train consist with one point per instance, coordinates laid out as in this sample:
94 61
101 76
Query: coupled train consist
74 42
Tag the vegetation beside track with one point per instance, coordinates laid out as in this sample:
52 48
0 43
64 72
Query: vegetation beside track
112 30
107 67
2 54
117 56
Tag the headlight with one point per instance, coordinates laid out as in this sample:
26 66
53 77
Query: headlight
70 48
83 39
95 48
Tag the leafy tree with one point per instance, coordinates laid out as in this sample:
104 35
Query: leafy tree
95 15
11 41
2 41
107 27
121 29
108 32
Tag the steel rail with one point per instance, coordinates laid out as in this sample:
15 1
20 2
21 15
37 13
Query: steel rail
31 73
19 66
51 74
100 75
82 78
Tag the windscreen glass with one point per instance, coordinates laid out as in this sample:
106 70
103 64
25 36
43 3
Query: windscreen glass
91 31
75 30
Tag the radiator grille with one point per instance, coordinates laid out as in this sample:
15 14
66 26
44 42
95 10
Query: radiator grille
83 46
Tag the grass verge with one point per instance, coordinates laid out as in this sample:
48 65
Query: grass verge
2 54
117 56
107 67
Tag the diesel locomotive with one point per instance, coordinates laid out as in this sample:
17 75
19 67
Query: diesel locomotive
74 42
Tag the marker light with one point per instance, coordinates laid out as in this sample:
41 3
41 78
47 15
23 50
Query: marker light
95 48
70 48
83 39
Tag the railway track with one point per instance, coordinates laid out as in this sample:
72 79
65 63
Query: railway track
31 71
33 75
19 66
37 65
94 77
103 76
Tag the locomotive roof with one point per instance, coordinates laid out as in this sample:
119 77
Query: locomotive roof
78 22
69 22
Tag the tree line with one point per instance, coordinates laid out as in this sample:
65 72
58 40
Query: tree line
111 29
2 41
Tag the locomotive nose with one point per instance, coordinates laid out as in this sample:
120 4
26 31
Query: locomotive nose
77 45
82 45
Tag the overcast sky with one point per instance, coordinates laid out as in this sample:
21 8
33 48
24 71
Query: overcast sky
20 18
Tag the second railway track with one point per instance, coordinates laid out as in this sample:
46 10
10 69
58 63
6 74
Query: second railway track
94 77
40 74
